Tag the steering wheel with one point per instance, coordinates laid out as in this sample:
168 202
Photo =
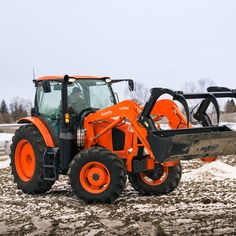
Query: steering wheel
85 112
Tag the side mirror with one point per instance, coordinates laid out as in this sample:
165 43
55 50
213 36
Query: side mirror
46 86
131 85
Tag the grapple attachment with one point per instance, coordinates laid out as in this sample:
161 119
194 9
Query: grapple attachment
190 143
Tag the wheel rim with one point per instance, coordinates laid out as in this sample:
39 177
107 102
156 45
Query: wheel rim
154 181
95 177
25 160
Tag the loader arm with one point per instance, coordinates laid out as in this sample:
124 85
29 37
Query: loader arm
182 142
130 110
125 110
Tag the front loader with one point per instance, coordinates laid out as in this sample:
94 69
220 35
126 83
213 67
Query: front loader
78 128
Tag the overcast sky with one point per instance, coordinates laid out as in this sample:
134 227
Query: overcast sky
160 43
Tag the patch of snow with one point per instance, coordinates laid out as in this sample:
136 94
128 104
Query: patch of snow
5 142
5 137
215 170
231 125
5 163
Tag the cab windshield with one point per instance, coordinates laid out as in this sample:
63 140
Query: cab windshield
81 94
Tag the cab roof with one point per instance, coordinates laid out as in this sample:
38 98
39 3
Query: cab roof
60 77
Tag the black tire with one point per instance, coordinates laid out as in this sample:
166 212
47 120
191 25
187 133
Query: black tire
168 185
113 165
36 184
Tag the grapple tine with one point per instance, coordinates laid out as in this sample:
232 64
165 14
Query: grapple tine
201 114
180 98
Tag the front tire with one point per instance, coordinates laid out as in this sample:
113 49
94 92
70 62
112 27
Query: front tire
97 175
162 180
27 151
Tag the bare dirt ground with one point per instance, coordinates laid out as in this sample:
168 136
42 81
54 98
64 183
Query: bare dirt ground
205 207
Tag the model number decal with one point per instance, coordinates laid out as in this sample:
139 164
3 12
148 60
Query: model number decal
123 108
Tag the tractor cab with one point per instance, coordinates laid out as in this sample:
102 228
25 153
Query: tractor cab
94 93
85 92
82 92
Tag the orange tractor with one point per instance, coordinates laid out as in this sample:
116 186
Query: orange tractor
78 128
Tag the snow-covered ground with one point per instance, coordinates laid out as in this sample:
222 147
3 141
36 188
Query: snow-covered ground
4 162
216 170
203 204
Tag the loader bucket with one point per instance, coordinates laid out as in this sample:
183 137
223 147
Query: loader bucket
186 144
190 143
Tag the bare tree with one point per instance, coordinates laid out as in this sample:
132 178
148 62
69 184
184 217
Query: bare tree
203 84
200 86
140 94
19 108
189 87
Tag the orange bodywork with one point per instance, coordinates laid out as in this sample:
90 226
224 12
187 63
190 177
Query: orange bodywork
41 127
169 109
124 116
103 131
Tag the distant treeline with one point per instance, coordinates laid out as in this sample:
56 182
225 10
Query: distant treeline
17 109
21 107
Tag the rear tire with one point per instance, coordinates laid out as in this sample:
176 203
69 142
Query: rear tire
97 175
161 181
27 151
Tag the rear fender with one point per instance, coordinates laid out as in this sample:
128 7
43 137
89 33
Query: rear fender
41 127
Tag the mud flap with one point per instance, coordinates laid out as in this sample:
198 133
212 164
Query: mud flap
186 144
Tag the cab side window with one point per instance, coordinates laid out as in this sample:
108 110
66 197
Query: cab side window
48 103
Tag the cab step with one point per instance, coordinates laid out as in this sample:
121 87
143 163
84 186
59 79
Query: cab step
51 164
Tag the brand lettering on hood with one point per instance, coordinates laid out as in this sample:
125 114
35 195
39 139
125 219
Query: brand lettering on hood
106 113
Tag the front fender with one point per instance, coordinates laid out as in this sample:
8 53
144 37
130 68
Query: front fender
41 127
